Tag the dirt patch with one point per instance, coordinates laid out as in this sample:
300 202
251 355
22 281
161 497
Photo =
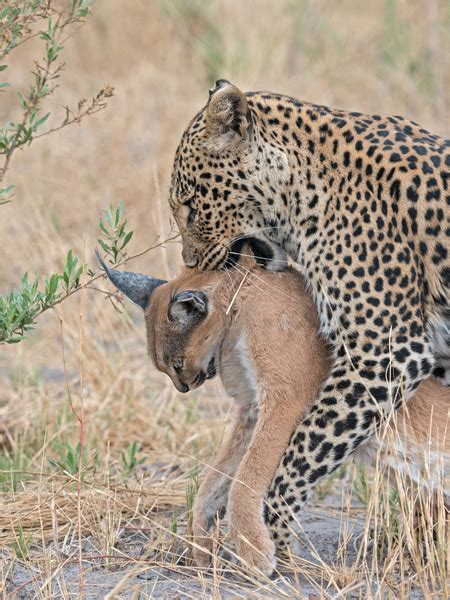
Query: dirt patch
329 538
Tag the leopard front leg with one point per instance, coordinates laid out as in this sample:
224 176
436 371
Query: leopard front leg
359 392
212 496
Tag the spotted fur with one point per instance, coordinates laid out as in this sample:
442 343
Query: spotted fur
362 204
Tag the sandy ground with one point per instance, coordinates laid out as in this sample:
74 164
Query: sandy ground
148 576
161 582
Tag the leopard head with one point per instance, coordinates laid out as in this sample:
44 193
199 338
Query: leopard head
222 174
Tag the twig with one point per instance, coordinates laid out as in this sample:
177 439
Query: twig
97 104
88 283
80 420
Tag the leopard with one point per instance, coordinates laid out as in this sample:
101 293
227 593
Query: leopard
361 204
259 332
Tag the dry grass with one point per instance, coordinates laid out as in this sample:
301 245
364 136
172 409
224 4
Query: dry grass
388 57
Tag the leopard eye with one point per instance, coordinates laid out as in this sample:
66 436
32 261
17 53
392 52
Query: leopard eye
191 215
192 211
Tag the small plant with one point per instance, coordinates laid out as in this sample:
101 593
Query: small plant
69 458
72 273
19 310
12 470
362 485
191 410
129 458
116 237
391 515
21 307
325 488
174 523
191 491
22 544
50 22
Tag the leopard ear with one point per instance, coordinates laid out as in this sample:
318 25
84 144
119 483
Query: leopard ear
227 115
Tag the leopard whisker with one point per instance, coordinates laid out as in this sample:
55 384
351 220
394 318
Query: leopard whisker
255 256
238 266
244 236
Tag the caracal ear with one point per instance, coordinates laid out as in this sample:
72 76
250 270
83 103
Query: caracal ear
188 307
227 115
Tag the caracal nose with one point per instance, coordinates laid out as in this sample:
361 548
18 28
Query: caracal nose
183 387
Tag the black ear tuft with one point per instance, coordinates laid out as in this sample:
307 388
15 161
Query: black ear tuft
188 306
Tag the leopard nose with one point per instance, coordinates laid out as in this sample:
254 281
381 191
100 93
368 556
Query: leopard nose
188 258
192 263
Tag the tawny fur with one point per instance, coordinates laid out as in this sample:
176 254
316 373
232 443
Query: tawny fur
272 361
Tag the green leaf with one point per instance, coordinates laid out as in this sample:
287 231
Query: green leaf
104 246
108 218
15 340
22 101
7 190
127 238
45 36
40 121
53 285
69 260
102 228
77 276
119 212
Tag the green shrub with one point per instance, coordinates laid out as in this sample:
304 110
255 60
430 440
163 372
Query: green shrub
50 22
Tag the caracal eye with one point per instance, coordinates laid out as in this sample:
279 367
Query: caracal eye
178 366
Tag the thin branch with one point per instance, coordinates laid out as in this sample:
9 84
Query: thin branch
80 419
59 29
119 264
98 103
91 280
